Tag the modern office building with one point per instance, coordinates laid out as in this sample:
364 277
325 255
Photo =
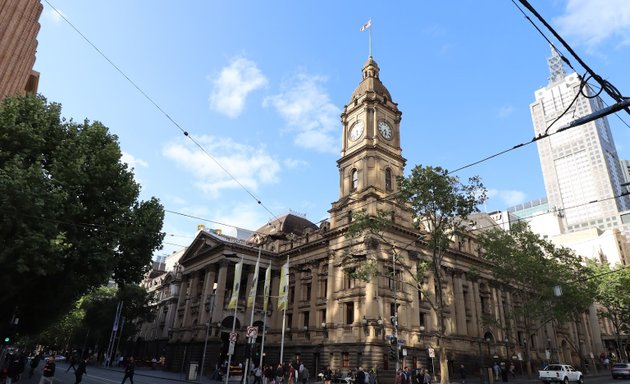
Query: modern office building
19 25
581 169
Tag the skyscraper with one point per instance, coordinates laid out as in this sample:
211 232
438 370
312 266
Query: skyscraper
581 169
19 25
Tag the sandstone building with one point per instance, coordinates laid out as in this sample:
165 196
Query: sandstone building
332 319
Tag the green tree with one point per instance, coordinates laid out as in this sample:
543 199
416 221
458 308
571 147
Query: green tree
70 218
533 269
613 285
439 204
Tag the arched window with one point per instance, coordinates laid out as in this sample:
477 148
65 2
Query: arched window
388 179
355 180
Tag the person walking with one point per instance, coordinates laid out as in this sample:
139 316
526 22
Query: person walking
129 371
81 370
462 374
34 363
303 374
72 362
360 377
48 374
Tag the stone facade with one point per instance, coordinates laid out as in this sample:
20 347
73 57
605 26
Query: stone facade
19 25
334 320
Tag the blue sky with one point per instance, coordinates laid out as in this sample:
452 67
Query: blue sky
260 85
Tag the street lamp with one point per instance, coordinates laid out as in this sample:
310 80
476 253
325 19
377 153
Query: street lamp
379 325
507 351
325 329
210 310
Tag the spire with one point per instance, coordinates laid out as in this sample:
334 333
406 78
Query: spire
556 67
371 81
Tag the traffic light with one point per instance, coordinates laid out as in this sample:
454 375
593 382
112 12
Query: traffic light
392 353
255 351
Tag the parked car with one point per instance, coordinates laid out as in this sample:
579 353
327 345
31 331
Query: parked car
560 373
620 371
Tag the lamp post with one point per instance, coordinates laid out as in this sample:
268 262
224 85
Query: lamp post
232 343
325 329
205 344
507 351
482 368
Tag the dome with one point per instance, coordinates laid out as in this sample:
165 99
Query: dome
371 82
284 225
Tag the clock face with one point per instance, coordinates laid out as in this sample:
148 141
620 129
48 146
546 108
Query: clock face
385 130
357 130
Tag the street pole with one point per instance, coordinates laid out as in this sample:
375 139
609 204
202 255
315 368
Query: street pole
232 343
251 340
395 311
205 344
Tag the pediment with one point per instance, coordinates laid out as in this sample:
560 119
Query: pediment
205 243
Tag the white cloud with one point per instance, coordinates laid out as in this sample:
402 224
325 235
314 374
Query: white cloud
132 161
308 111
508 197
294 163
233 84
250 166
505 111
591 22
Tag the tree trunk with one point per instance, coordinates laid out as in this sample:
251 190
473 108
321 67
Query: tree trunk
444 379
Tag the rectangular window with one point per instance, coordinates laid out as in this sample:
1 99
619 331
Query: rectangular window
306 317
350 313
345 360
322 316
307 292
324 288
291 294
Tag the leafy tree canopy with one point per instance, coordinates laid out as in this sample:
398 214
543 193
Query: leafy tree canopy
70 218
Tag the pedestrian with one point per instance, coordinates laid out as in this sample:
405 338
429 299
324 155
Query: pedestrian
279 373
129 370
360 377
427 377
328 375
81 370
462 373
512 370
291 374
16 367
34 363
258 373
304 374
496 369
48 374
71 361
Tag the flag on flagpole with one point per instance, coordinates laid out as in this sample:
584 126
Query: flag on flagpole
252 291
366 25
236 287
267 287
283 294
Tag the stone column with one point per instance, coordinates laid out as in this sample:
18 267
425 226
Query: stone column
182 300
459 306
297 325
205 296
275 320
595 330
452 319
473 304
219 300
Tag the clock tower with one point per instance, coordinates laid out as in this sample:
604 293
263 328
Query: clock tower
371 156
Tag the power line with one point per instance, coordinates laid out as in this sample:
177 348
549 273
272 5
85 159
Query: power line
159 108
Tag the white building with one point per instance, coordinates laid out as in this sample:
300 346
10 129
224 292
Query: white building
581 169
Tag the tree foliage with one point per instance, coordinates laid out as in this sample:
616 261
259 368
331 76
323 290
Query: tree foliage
70 218
439 204
613 286
533 269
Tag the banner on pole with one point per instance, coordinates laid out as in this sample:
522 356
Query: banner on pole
236 287
267 288
252 292
283 294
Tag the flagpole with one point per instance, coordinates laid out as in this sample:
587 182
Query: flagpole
265 307
370 37
251 340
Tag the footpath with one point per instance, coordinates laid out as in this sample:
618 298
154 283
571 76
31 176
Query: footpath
63 377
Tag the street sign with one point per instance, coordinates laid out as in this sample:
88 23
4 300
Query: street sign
233 336
402 341
431 352
231 349
252 331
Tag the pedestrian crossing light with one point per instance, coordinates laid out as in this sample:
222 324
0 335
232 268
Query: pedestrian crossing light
7 339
